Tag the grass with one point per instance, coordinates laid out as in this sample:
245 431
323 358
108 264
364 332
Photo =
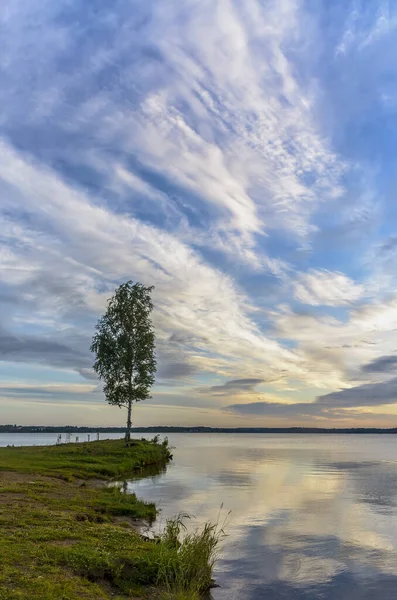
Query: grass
101 460
64 537
186 560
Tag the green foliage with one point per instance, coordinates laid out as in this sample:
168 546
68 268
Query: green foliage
124 345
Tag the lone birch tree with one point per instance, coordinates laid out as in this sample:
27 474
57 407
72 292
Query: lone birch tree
124 345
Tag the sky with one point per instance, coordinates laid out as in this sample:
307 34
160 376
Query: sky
241 157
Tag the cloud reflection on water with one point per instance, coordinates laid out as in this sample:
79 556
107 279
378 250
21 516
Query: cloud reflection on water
311 516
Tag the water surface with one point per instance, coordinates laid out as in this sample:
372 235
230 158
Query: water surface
312 516
49 439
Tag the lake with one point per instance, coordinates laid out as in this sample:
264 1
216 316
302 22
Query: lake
312 516
47 439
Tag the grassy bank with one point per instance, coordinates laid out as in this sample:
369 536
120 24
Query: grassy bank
102 460
64 538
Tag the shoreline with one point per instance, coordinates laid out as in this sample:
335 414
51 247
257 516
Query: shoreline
65 534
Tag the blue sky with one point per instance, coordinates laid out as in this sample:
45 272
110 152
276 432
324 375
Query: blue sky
239 156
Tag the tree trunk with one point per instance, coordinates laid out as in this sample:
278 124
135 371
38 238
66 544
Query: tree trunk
128 431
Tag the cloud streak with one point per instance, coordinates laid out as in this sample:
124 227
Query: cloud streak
195 147
234 386
326 288
328 406
383 364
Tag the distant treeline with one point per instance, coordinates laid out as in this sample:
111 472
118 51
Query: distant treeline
58 429
164 429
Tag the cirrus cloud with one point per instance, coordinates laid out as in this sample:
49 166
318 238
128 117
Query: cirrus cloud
322 287
195 147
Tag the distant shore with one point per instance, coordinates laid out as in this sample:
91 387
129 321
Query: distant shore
166 429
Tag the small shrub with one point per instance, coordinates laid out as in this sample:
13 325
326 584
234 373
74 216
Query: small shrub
186 560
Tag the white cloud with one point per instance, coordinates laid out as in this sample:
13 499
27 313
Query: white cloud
332 350
322 287
218 111
95 248
201 130
256 141
366 25
91 249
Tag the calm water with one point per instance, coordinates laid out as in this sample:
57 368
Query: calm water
312 517
47 439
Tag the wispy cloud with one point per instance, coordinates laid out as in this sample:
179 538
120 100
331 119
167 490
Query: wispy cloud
367 24
326 288
195 147
234 386
96 247
219 119
333 406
